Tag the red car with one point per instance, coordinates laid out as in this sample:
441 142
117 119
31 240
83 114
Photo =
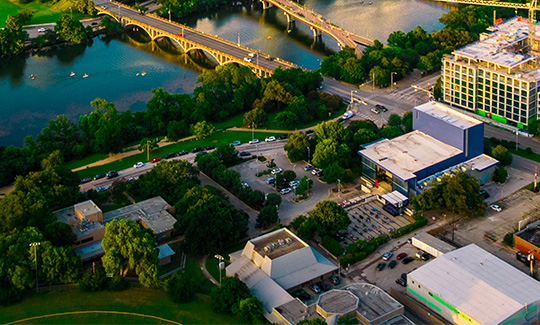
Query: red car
155 160
401 256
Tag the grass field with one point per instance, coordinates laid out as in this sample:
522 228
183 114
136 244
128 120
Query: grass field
135 300
72 164
216 139
42 13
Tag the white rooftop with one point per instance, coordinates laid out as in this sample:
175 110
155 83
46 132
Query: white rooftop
498 46
449 115
434 242
478 284
407 154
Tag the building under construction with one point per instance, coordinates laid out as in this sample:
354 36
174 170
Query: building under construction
497 76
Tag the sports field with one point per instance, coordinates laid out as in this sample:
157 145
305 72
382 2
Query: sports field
43 13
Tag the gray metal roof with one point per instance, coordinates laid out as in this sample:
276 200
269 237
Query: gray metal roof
478 284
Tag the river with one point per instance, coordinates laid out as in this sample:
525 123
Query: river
124 69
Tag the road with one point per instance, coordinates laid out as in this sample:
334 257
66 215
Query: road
33 32
206 40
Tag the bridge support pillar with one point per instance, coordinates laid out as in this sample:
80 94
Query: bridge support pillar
290 19
316 33
266 5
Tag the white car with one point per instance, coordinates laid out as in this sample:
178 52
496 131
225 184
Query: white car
348 115
42 30
276 171
294 184
496 207
254 141
104 7
247 59
139 164
286 190
270 139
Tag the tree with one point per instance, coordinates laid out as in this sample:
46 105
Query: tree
287 120
71 31
181 287
329 151
81 6
329 217
289 175
407 121
297 147
305 184
226 298
59 263
147 146
12 37
502 154
437 90
250 311
129 246
273 199
267 216
313 321
257 116
500 175
60 234
94 281
227 154
394 120
202 129
332 173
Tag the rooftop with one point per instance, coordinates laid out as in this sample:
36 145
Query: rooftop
407 154
87 208
277 244
531 234
295 311
449 115
478 284
434 242
165 251
374 302
89 251
338 302
499 46
152 212
80 227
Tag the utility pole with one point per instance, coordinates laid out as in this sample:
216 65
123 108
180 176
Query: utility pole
36 244
392 80
373 81
169 14
252 130
148 150
308 154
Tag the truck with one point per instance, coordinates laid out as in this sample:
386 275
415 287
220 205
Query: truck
431 245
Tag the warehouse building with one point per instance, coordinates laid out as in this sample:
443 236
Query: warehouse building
471 286
443 141
493 77
528 240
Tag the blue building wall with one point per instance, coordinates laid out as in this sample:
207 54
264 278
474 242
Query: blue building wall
469 140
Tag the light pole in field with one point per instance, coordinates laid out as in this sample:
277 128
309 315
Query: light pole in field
35 245
220 266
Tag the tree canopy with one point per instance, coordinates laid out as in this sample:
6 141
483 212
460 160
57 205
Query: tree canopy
227 297
329 217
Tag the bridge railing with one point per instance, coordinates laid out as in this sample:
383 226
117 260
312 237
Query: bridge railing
193 30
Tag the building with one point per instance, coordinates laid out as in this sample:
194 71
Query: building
493 77
88 222
363 301
528 240
443 141
276 262
472 286
431 245
164 254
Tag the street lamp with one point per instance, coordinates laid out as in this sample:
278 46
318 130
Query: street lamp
353 91
220 258
252 130
392 80
35 245
308 153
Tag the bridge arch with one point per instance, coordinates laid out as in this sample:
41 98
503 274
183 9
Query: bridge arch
108 14
172 39
131 23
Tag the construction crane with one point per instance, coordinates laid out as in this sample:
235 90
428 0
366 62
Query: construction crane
531 6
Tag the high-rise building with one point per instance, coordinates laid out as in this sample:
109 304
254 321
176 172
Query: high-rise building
495 76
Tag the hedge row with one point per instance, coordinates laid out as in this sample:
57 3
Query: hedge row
419 222
360 249
332 245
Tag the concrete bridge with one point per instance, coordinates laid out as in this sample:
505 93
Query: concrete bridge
189 39
318 24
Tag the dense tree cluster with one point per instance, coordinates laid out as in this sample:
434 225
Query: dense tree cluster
406 51
12 37
326 218
459 194
233 297
182 8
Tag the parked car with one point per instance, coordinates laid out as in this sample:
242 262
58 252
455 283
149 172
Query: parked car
404 276
302 295
282 137
85 180
155 160
112 174
309 167
101 189
210 148
484 194
104 7
286 190
401 282
339 120
521 257
183 153
276 171
495 207
253 141
381 108
317 172
247 59
387 256
42 30
270 139
98 176
392 264
323 286
271 180
407 260
201 153
315 288
348 115
309 131
381 266
171 155
376 110
294 183
236 143
196 149
138 165
423 255
334 280
244 154
401 256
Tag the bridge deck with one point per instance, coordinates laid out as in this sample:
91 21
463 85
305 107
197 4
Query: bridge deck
314 20
206 41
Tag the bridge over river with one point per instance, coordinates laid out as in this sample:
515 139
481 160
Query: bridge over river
189 39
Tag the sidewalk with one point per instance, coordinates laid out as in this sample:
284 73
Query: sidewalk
205 271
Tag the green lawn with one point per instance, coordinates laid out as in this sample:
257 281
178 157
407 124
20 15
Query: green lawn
72 164
138 300
43 13
237 121
215 140
522 153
